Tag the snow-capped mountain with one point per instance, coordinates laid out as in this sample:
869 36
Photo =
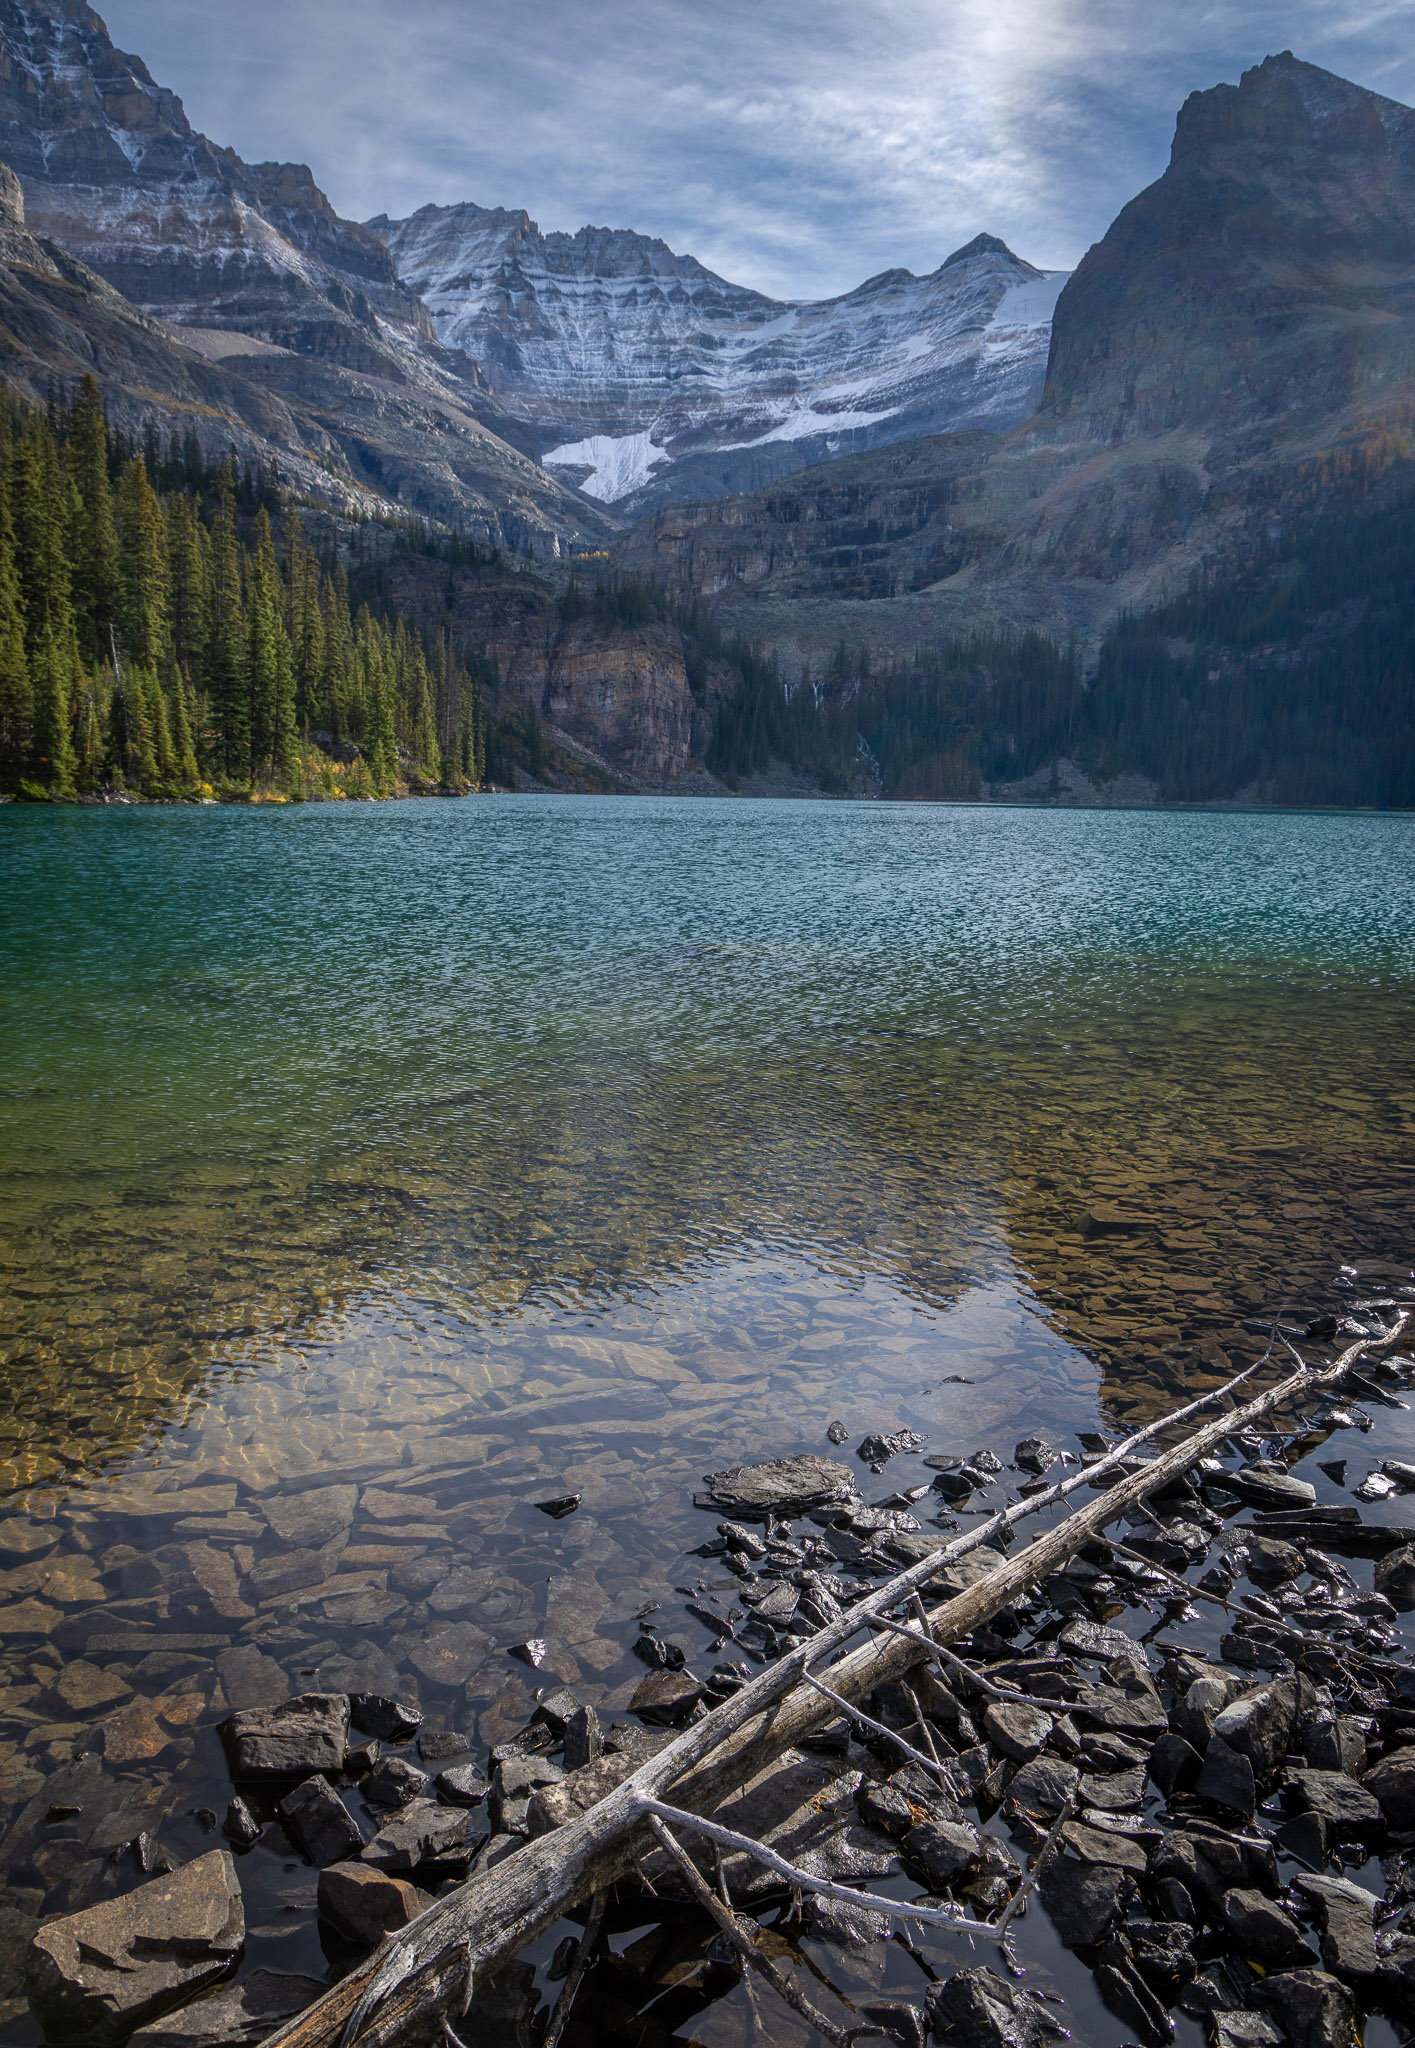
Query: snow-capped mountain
647 377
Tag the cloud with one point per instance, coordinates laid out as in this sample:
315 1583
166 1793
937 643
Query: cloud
795 145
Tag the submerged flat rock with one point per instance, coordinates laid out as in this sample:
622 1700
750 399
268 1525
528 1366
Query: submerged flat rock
780 1486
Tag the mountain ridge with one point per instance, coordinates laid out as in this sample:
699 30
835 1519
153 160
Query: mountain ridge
643 373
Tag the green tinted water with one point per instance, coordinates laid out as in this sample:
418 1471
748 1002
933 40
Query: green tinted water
476 1152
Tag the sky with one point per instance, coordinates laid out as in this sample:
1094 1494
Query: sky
798 146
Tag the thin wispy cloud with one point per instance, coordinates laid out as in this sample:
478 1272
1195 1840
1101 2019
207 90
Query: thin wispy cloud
795 147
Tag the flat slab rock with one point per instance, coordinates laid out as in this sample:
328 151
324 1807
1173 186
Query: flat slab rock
302 1735
781 1486
238 2015
97 1975
422 1833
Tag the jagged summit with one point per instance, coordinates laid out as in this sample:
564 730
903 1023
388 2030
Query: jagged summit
646 376
1285 220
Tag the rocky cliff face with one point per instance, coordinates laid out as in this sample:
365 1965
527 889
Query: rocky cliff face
1265 276
621 692
256 273
646 377
1247 318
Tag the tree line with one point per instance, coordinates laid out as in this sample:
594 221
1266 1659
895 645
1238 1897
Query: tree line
168 627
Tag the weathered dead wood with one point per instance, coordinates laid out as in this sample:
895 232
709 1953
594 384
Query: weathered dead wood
750 1952
431 1966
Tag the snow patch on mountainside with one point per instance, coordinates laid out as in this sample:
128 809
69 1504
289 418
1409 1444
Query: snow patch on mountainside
617 464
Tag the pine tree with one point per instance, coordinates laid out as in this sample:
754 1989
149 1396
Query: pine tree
270 668
94 537
225 663
142 569
52 749
16 693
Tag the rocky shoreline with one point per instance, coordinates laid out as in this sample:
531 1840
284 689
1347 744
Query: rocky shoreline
1202 1729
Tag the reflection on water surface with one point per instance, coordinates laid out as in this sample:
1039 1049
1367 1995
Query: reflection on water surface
427 1160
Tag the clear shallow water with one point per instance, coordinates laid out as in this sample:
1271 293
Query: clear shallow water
470 1153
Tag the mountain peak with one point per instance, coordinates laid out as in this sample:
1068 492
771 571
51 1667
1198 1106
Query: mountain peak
981 245
1284 102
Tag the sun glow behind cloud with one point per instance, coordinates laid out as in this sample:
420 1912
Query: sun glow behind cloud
795 147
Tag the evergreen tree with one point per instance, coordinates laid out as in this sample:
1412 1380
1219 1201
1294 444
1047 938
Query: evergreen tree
94 538
225 663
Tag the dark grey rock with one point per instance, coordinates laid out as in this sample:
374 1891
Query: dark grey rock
240 1825
1271 1559
901 2022
96 1975
392 1720
943 1850
1263 1932
1176 1903
1305 1836
1019 1732
304 1734
1130 1998
1101 1845
1312 2007
1268 1486
1041 1788
782 1487
1259 1724
318 1820
422 1833
584 1738
562 1505
665 1699
1193 1715
393 1782
1083 1900
1034 1454
1164 1954
236 2016
1392 1782
1351 1811
462 1785
1335 1743
876 1449
1395 1576
1227 1778
555 1710
1174 1766
979 2009
1116 1792
1346 1916
1242 2030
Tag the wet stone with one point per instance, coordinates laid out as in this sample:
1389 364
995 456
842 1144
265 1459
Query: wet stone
1263 1932
364 1903
1099 1845
240 1825
666 1698
304 1734
317 1819
83 1688
1164 1954
982 2010
1395 1576
308 1520
1259 1724
237 2016
1272 1559
1115 1793
1174 1766
1083 1901
942 1851
1227 1779
583 1738
1346 1917
1350 1811
781 1487
1313 2008
1019 1732
251 1679
462 1785
1242 2030
1041 1788
1392 1782
450 1656
1335 1743
393 1782
423 1833
562 1505
392 1720
97 1974
1267 1485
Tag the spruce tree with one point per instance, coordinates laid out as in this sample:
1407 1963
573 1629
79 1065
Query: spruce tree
94 536
225 663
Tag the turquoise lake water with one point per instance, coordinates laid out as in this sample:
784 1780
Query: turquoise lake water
476 1152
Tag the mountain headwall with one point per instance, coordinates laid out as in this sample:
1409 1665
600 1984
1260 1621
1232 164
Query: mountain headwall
645 377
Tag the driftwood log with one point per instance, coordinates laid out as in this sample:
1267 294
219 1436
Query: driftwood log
430 1968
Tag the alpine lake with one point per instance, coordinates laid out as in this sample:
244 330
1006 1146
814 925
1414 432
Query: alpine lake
371 1173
